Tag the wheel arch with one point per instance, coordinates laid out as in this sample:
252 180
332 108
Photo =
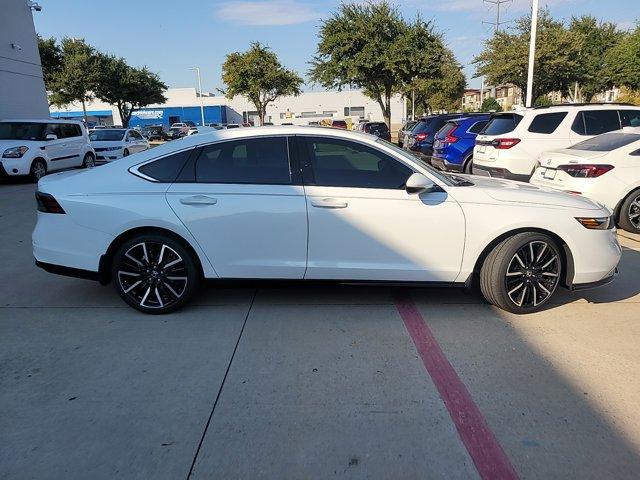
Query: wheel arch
104 269
565 253
616 210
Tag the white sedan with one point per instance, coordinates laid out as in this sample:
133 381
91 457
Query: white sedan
308 203
605 168
114 143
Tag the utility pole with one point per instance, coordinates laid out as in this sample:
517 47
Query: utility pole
532 51
197 69
496 26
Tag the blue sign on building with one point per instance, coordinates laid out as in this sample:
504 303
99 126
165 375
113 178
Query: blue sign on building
169 115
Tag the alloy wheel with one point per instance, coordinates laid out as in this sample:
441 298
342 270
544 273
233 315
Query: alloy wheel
634 212
153 275
89 161
533 274
39 170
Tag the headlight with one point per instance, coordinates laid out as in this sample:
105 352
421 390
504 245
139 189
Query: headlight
15 152
596 223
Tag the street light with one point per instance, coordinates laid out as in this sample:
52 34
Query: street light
532 51
197 69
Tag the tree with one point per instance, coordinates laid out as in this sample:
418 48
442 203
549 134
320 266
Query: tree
594 41
50 59
259 75
505 56
490 104
371 47
126 87
623 61
78 75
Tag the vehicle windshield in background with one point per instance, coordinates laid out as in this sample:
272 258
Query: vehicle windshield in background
175 129
607 142
21 131
500 124
106 135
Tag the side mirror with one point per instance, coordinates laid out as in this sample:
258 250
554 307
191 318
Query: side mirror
418 183
51 136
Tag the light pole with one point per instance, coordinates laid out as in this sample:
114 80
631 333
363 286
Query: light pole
197 69
532 51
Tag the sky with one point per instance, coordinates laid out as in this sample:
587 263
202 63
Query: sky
170 36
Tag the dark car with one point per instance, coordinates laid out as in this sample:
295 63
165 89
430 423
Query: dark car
176 132
379 129
453 145
420 140
405 130
154 132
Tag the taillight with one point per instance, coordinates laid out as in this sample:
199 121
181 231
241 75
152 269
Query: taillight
421 136
449 137
585 171
48 204
505 143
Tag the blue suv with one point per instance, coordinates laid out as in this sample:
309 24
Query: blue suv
453 143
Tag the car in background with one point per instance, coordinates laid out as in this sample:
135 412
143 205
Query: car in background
605 168
339 124
379 129
114 143
201 130
36 147
98 127
232 125
404 130
217 126
454 142
154 132
320 204
510 144
175 133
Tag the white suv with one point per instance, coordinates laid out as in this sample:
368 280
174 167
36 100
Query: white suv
510 144
36 147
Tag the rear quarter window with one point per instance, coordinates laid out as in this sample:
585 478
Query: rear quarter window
501 124
166 169
546 122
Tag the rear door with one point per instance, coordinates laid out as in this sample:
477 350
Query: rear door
589 123
243 202
56 149
74 142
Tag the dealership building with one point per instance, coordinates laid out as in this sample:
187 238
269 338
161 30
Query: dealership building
185 104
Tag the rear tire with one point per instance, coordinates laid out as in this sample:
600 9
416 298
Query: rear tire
468 166
629 215
154 273
89 161
125 153
522 272
38 170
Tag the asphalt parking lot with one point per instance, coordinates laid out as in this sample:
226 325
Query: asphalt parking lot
281 381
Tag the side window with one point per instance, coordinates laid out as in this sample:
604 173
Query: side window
476 127
54 129
254 160
597 122
129 136
137 135
166 169
547 122
630 118
70 130
340 163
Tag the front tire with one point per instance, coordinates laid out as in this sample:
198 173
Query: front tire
629 216
522 272
38 170
468 166
154 273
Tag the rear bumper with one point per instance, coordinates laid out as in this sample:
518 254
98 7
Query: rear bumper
443 164
68 271
499 173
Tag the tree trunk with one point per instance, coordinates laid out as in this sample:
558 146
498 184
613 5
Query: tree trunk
84 112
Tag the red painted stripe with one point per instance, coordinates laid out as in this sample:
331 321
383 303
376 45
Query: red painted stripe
482 445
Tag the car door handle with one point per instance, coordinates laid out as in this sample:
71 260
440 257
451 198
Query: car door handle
198 200
329 203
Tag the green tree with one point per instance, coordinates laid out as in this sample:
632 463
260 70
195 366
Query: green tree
440 93
505 56
50 59
594 40
623 61
372 47
259 75
490 104
78 75
126 87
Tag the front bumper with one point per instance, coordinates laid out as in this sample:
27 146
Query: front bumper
10 167
598 283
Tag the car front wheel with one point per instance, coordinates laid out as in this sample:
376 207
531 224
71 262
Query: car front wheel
154 273
522 272
38 170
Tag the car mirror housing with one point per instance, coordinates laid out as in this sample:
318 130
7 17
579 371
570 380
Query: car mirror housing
419 183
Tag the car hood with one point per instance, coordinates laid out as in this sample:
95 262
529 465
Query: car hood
519 192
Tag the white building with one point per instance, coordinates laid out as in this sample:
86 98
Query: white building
22 91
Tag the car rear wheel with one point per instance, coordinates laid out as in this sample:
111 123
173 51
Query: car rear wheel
154 273
629 216
38 170
522 272
125 153
89 161
468 166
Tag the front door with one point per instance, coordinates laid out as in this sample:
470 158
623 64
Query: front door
245 207
363 225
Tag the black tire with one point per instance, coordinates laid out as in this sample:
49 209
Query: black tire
629 214
89 161
125 153
468 166
166 280
38 169
523 284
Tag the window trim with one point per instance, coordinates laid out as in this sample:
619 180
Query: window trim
134 169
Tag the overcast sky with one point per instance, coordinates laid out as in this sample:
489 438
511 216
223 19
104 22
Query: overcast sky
170 36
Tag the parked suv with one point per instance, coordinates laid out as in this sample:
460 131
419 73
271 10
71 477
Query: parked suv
510 144
453 145
405 130
154 132
36 147
379 129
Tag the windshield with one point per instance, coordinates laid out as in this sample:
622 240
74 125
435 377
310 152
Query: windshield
106 135
607 142
21 131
